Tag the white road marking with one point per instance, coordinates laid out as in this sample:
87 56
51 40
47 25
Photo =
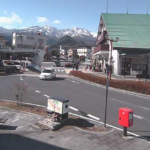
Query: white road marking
68 79
37 91
58 70
46 96
139 117
91 116
130 104
31 88
73 108
15 120
146 97
106 124
75 82
83 118
5 112
21 79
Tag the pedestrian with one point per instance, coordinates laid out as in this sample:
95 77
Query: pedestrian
76 67
106 67
90 67
93 68
73 66
99 65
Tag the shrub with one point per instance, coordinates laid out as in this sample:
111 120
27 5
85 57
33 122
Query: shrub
98 70
134 86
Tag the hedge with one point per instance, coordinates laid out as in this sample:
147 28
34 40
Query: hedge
134 86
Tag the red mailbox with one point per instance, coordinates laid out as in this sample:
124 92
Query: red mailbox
125 117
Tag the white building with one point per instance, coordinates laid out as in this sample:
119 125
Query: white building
130 54
85 51
26 41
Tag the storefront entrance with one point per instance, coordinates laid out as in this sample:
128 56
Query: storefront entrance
126 66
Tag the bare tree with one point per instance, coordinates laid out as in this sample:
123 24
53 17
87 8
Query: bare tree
20 91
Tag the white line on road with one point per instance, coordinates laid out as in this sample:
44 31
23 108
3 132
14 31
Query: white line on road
37 91
46 96
139 117
58 70
146 97
73 108
21 79
75 82
91 116
130 104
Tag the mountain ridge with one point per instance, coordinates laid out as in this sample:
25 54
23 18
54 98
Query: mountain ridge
54 34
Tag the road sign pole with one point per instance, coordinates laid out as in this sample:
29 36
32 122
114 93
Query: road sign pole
107 85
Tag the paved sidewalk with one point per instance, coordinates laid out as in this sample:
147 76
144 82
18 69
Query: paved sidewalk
27 136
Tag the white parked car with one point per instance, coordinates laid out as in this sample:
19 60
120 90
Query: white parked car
47 73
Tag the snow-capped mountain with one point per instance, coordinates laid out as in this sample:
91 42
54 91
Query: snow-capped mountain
54 33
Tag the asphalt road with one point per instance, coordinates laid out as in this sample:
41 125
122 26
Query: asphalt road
85 99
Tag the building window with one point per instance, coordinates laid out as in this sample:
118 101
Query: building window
29 38
136 67
26 46
40 47
41 40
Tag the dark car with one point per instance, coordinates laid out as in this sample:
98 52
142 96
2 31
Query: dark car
68 65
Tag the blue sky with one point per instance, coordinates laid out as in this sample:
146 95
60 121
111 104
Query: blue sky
64 13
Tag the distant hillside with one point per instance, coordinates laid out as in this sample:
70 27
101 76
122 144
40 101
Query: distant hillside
66 40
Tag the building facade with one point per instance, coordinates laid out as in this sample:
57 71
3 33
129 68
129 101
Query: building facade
85 51
130 54
28 41
72 52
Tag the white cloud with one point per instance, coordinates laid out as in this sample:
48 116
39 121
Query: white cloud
42 19
8 20
5 11
56 22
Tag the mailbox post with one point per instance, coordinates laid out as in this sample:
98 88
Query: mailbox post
125 118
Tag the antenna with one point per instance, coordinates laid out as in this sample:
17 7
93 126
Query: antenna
107 8
147 10
32 28
127 9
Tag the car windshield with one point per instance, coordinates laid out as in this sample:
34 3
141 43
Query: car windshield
46 71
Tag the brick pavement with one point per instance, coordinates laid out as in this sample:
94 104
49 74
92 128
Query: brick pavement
27 136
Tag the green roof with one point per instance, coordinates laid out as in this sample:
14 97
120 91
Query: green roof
133 30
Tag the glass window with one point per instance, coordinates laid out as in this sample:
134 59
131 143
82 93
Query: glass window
29 38
136 67
41 40
47 71
40 47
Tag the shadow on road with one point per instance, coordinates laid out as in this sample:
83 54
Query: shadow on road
6 127
18 142
56 79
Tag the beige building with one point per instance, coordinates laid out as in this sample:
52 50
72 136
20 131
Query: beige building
84 51
72 52
26 41
2 42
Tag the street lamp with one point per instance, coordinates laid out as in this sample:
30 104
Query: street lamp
21 36
107 84
111 43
